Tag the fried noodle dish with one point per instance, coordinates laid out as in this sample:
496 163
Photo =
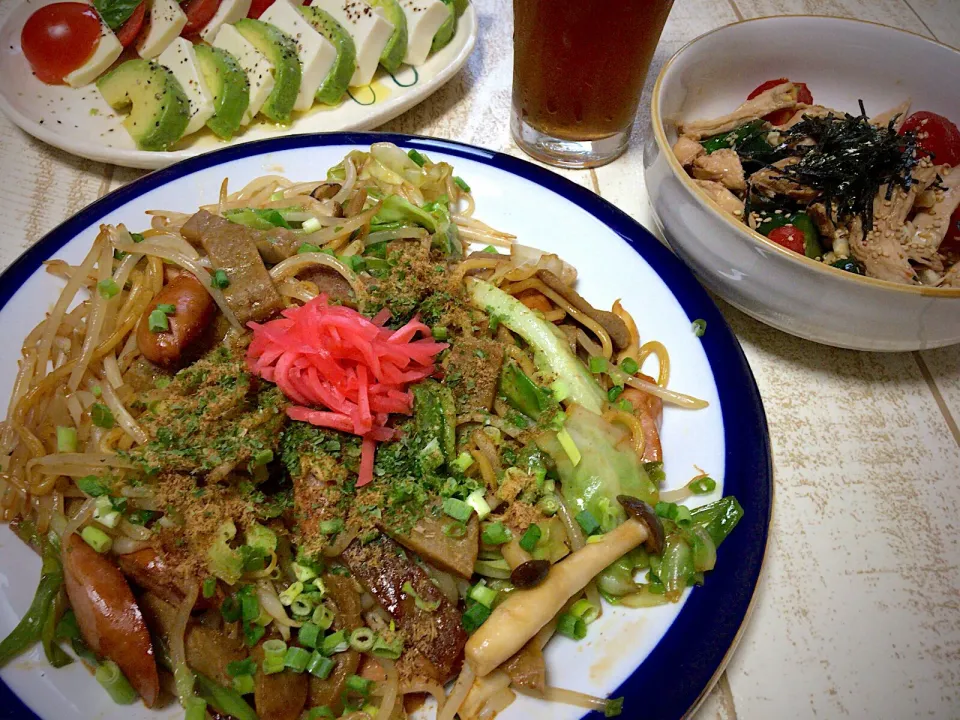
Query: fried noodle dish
302 454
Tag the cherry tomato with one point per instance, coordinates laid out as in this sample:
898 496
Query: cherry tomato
129 31
199 13
779 117
936 136
788 236
258 7
57 39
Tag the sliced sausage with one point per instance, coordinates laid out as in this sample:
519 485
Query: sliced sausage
194 311
108 616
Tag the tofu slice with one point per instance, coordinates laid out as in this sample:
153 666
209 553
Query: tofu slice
369 30
424 18
259 70
167 21
181 59
316 54
108 50
228 13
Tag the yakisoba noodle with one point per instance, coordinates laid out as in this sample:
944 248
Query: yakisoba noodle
346 464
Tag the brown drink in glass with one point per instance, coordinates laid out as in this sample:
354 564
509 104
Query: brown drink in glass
578 71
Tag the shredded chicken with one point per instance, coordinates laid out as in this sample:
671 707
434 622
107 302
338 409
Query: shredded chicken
721 196
687 149
880 250
776 98
723 166
898 114
925 233
770 183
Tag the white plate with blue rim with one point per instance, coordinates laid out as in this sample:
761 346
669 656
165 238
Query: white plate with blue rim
662 660
79 121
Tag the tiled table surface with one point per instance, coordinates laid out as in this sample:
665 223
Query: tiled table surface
858 613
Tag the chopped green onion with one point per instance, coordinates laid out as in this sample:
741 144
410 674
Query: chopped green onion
613 708
209 588
308 248
496 534
331 527
629 366
137 237
482 594
302 606
702 485
614 392
274 652
490 249
66 439
102 416
683 516
320 666
116 685
655 471
303 572
108 288
320 713
569 446
457 509
478 502
464 460
531 537
220 280
359 685
263 457
587 521
461 183
362 639
475 616
335 643
455 530
167 308
243 684
585 610
598 365
309 635
230 608
417 158
571 626
426 605
549 505
92 486
296 659
158 322
241 667
439 332
390 650
699 327
104 512
96 538
249 607
322 617
625 405
195 709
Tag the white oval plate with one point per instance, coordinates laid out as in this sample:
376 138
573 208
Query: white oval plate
662 659
79 121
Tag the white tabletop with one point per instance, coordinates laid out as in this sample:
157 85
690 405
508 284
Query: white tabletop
858 613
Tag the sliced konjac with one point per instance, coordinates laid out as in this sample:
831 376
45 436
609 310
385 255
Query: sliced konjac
382 568
250 293
429 538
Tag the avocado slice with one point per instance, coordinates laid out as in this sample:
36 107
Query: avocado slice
446 31
460 6
230 87
160 110
281 50
334 86
396 48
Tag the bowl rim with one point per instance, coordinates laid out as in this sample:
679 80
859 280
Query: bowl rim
660 136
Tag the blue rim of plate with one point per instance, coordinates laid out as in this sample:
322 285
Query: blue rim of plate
675 676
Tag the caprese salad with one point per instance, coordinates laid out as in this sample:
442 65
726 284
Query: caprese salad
181 65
